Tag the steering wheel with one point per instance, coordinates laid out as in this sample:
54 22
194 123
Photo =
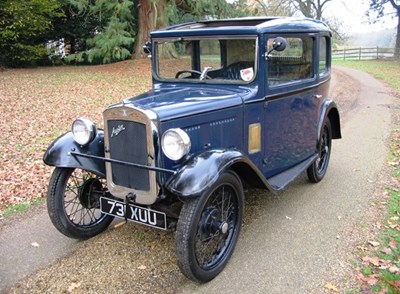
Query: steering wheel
190 71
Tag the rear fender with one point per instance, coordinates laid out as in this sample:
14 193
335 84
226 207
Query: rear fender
59 154
330 110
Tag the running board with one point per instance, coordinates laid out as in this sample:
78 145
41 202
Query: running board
280 181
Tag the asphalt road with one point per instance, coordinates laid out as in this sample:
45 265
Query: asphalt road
292 244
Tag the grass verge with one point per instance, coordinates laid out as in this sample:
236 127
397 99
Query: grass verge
21 207
387 70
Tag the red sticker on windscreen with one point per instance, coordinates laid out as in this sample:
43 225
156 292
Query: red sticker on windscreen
247 74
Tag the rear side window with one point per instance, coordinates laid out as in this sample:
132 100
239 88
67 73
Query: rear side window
324 47
292 64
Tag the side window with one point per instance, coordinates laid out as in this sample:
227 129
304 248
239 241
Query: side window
323 56
292 64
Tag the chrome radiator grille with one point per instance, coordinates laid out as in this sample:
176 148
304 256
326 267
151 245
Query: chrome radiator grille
129 138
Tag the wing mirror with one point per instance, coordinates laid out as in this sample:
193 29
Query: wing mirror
147 48
279 44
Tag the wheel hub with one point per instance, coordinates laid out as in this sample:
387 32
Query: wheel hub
89 193
223 228
212 222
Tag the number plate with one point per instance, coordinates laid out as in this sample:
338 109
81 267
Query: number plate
134 213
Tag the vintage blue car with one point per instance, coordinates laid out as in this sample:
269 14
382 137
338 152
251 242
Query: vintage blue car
234 103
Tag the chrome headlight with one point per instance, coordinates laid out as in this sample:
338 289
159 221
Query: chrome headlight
83 130
175 144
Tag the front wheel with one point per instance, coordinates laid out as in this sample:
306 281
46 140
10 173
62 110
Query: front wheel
317 170
73 203
208 229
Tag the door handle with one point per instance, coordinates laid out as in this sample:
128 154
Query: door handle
317 96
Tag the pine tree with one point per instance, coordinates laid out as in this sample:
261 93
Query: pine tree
113 38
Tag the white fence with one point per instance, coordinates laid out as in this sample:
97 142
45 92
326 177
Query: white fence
363 53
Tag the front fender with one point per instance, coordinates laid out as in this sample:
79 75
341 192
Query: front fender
58 153
203 170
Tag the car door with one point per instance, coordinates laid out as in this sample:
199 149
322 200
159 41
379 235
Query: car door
291 103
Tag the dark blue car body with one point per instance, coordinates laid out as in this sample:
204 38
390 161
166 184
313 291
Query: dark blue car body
262 116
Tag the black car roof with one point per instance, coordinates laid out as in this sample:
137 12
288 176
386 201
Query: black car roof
243 26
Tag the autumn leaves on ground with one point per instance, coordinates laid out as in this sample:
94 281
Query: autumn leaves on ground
38 105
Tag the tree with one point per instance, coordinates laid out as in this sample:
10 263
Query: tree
74 27
378 10
155 14
113 37
23 29
273 7
151 15
311 8
308 8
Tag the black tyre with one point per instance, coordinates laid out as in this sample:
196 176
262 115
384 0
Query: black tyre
208 229
73 203
317 170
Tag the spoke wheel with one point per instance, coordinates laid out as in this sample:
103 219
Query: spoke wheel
73 203
317 170
208 229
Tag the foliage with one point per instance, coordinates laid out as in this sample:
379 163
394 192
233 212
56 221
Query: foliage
114 36
308 8
23 28
74 28
379 268
186 10
379 10
273 7
21 207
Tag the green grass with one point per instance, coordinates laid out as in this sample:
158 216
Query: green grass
21 207
386 70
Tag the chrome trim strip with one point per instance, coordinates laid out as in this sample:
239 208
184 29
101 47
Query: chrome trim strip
128 112
158 169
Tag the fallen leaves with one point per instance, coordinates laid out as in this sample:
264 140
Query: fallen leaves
385 259
35 244
38 105
373 243
331 287
73 286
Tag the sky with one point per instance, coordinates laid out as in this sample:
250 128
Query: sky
352 13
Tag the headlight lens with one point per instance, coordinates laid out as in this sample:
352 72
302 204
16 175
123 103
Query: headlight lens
175 144
83 130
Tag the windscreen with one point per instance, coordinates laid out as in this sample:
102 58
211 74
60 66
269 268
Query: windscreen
214 60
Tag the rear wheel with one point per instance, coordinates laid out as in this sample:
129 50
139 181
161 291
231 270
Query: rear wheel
73 203
317 170
208 229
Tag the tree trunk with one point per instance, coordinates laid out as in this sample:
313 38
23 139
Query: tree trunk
145 26
151 16
397 46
